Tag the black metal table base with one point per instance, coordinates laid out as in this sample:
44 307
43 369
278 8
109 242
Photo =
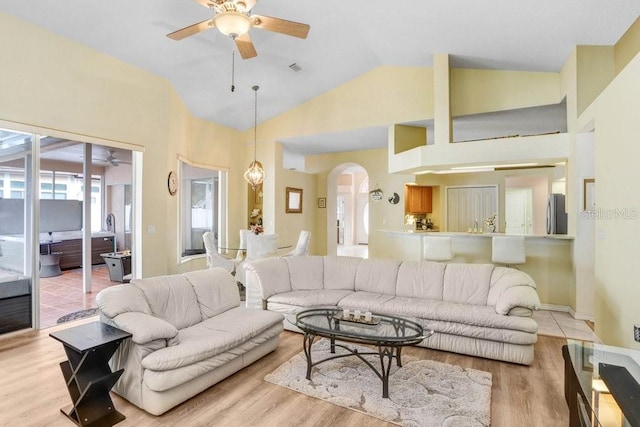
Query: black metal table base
386 354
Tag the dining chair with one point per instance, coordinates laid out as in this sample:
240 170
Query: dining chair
241 256
302 247
214 258
261 246
242 247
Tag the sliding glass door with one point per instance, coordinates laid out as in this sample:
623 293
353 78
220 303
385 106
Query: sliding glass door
63 204
16 230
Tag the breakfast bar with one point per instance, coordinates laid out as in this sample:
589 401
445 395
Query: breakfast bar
549 258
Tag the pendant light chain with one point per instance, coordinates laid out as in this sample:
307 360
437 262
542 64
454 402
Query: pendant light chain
255 121
233 70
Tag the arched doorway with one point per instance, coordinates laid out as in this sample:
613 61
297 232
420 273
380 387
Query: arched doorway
348 211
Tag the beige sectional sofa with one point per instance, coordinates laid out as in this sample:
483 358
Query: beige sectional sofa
189 332
475 309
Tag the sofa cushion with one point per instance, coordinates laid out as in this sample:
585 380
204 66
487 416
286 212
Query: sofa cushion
340 272
171 298
377 275
164 380
420 279
216 290
305 272
272 275
467 283
365 300
512 336
122 299
212 337
309 298
475 315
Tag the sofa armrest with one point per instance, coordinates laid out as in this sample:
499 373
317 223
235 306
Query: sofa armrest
517 296
146 328
253 292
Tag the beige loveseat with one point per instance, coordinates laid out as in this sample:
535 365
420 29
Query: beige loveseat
189 332
474 309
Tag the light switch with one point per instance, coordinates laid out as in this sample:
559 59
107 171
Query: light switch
151 229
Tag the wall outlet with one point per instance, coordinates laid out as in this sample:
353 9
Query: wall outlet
151 229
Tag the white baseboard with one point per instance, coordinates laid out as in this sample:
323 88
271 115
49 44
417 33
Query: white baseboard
555 307
582 316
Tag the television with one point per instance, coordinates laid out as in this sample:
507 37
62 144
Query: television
55 215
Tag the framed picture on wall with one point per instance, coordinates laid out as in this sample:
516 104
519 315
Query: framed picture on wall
322 202
293 200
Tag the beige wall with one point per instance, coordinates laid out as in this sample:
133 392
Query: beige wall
57 87
615 115
382 214
481 91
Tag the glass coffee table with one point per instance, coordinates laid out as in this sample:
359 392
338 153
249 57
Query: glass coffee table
593 370
388 333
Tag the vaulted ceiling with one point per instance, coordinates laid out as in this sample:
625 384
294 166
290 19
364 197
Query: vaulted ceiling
347 39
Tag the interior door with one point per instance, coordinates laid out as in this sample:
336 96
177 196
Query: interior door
468 207
518 211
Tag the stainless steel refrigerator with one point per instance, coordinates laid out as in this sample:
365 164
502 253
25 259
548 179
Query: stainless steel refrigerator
556 215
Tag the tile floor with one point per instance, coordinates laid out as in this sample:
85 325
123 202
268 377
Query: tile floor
562 324
63 294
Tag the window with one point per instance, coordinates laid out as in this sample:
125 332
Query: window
202 195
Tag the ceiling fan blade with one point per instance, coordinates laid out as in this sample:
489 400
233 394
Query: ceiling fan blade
282 26
206 3
245 46
191 30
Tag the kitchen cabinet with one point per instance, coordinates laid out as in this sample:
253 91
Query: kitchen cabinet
418 199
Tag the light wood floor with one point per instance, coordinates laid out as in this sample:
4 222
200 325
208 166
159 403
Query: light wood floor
32 390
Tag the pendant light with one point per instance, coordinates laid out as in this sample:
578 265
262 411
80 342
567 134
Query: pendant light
255 174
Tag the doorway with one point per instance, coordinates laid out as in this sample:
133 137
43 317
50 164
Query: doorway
48 178
518 206
348 211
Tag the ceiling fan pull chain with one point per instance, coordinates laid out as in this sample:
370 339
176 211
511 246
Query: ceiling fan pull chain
233 70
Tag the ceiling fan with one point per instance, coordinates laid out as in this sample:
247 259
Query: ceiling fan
111 159
233 19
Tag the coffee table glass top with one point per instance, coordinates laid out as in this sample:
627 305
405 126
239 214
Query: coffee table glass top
587 357
382 328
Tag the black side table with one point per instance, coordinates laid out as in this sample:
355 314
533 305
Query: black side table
87 373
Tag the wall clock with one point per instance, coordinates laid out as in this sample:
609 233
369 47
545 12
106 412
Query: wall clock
172 183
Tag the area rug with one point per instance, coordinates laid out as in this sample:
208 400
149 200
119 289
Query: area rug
421 392
78 315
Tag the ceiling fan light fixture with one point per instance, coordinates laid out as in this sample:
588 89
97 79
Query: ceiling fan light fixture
232 24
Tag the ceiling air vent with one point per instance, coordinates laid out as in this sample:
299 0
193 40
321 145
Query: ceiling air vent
295 67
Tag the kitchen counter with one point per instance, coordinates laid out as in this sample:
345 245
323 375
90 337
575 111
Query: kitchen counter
461 234
549 257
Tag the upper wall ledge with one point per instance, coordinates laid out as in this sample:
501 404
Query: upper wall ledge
547 149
